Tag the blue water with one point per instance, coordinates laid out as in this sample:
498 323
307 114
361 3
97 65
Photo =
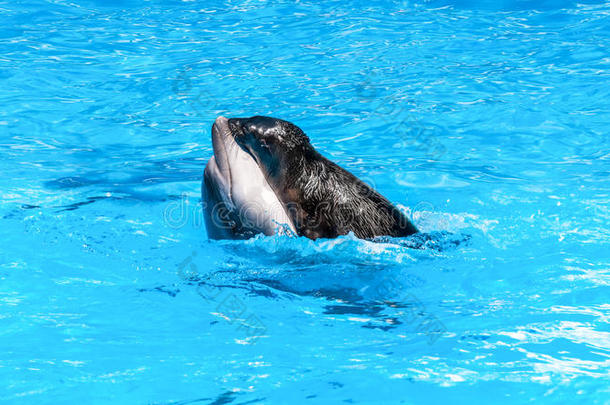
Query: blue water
487 122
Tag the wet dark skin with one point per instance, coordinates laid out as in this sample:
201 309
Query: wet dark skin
323 199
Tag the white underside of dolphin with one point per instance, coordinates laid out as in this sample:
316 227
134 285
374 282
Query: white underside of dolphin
236 193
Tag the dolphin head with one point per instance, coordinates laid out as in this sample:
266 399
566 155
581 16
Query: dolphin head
239 202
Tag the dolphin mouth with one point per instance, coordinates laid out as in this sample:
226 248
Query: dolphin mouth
234 181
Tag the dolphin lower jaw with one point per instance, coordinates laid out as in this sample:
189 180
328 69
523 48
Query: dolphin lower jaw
234 182
218 182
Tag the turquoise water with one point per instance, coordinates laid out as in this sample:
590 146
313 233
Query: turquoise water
486 122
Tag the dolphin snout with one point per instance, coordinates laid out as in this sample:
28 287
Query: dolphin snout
220 123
